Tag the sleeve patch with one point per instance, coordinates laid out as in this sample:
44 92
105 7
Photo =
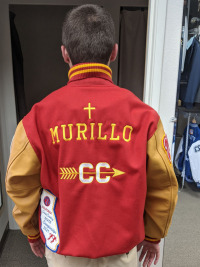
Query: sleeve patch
165 145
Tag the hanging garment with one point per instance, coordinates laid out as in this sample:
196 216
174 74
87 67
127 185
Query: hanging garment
191 75
189 43
197 98
185 40
132 50
194 157
189 165
179 74
18 72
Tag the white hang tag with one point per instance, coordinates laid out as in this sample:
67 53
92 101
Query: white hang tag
49 225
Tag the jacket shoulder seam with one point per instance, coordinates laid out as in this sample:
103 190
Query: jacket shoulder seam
20 152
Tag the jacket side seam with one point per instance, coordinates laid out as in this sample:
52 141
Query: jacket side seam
169 174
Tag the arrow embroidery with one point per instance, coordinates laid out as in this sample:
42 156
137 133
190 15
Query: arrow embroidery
71 173
68 173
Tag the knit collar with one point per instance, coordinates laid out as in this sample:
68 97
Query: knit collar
88 70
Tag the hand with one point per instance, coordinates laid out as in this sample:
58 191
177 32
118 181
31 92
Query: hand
151 251
38 248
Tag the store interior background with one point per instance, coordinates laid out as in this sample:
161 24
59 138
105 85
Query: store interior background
183 240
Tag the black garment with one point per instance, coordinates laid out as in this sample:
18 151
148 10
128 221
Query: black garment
132 50
18 74
179 74
191 75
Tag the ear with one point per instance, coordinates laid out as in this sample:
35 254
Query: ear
114 53
65 54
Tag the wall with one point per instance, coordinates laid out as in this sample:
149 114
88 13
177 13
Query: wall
7 111
4 208
161 75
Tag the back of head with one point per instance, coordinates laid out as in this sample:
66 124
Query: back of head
88 34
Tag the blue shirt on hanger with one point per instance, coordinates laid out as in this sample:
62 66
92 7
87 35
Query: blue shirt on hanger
181 162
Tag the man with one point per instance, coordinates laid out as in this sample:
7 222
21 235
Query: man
96 159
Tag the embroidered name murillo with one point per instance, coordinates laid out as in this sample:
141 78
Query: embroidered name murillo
102 157
92 131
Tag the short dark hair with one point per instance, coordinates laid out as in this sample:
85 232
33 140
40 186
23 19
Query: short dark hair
88 34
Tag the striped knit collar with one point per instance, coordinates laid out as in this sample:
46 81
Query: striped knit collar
88 70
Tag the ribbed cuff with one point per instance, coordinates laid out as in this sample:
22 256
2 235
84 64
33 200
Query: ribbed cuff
152 240
33 238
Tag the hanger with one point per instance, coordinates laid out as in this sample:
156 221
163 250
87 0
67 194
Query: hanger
195 20
195 32
194 118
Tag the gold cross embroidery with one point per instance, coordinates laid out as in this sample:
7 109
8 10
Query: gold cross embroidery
89 108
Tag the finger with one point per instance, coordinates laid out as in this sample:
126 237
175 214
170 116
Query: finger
35 253
42 250
151 258
35 250
38 252
157 257
139 247
39 249
144 250
42 246
146 260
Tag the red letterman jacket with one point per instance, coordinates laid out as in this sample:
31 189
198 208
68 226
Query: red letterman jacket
97 160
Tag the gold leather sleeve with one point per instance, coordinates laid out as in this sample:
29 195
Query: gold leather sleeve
162 187
23 182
